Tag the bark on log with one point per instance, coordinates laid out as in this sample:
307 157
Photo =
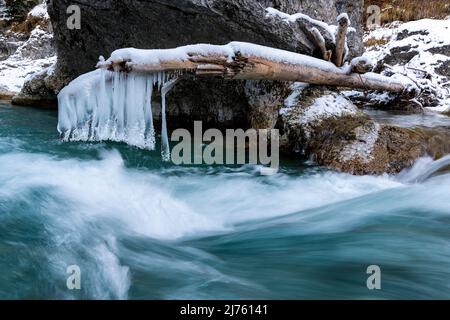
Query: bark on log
262 67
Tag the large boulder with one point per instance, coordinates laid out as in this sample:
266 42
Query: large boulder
327 128
109 25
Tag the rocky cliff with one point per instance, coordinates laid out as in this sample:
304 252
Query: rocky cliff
110 24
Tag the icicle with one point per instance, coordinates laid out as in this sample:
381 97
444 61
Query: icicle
165 147
160 84
117 132
150 131
102 115
104 105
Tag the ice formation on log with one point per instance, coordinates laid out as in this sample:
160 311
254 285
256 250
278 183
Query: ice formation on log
104 105
114 102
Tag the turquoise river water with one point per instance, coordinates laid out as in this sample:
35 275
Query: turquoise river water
142 229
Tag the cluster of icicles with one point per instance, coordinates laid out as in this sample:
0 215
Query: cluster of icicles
104 105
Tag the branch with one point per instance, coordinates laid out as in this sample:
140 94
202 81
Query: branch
320 43
341 40
245 61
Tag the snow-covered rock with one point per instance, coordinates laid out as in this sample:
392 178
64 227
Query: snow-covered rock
363 146
306 109
24 54
420 50
38 46
328 129
39 88
31 57
40 12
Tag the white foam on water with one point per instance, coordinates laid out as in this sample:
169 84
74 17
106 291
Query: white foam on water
91 204
106 189
424 169
172 206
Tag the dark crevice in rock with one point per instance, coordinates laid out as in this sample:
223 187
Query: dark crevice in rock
406 34
444 50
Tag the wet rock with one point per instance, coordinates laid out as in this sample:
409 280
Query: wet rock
5 93
190 101
265 98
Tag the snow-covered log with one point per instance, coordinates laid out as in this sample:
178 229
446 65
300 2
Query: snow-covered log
115 101
246 61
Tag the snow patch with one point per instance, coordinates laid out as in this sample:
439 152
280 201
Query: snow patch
423 39
344 16
328 106
292 18
364 144
14 71
292 100
40 11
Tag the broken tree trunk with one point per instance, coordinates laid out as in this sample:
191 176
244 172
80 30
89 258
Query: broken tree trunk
320 43
244 61
341 40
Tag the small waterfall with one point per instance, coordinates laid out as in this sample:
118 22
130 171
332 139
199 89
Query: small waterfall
104 105
424 169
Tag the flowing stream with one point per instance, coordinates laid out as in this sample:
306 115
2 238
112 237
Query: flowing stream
140 228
